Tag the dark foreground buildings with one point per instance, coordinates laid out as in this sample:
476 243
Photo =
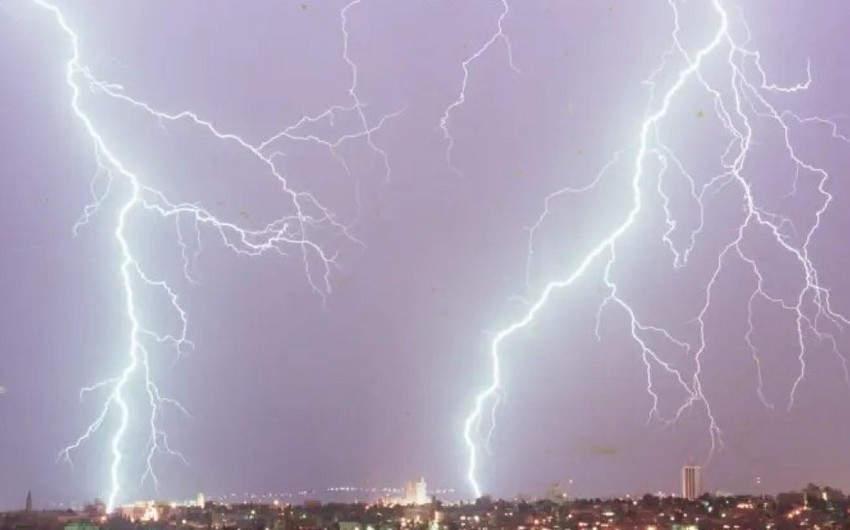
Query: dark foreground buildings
814 507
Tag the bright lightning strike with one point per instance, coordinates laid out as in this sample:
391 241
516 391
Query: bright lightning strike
291 231
744 95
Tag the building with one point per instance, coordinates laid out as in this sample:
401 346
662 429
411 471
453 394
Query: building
556 494
416 493
28 507
143 511
690 482
95 509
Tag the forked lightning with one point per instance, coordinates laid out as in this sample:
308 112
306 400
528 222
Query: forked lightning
744 96
292 231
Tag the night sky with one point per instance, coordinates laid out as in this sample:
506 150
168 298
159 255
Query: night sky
369 386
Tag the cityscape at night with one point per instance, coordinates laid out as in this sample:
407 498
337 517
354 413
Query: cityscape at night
424 264
811 507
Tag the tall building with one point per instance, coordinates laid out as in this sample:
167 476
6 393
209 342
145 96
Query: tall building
690 482
416 493
29 502
556 494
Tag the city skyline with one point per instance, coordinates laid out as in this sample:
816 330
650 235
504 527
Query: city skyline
811 507
498 245
413 493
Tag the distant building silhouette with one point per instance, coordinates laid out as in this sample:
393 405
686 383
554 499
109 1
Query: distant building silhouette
95 509
555 493
28 507
690 482
416 493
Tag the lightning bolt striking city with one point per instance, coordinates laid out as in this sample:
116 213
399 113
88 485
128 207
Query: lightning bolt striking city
744 96
294 230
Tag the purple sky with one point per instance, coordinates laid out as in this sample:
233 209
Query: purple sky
373 388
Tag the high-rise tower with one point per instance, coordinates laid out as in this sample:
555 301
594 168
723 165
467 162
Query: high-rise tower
690 482
416 493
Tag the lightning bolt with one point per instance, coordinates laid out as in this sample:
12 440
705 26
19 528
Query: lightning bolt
352 90
744 95
294 230
445 119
